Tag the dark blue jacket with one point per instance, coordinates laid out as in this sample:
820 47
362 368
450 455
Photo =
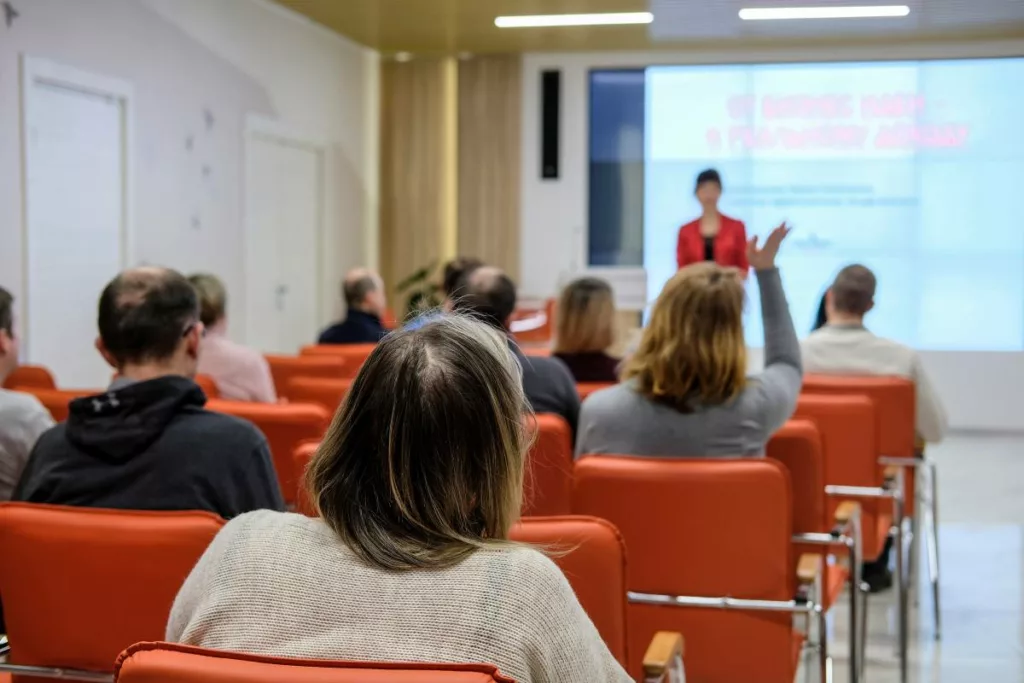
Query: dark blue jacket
358 328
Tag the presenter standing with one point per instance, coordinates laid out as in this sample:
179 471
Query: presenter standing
713 236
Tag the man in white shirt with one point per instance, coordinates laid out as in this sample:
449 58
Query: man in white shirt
22 417
845 346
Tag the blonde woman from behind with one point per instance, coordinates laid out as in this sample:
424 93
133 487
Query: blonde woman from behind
417 482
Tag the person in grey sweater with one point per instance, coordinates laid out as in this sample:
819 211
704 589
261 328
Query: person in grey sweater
686 392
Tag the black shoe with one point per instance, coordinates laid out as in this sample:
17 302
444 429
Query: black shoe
878 581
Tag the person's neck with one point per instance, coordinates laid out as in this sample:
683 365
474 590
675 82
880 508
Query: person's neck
219 328
846 319
148 371
711 214
366 311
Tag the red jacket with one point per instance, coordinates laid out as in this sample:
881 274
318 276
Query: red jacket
730 244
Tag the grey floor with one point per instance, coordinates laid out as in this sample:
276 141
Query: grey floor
981 531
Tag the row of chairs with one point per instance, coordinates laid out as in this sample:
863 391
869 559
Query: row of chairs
88 583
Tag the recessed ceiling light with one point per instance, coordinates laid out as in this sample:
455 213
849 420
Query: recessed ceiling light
851 12
606 19
403 56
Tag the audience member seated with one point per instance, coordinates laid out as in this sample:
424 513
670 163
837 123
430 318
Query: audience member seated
489 294
240 373
417 482
686 392
363 291
147 443
22 417
585 329
845 346
455 271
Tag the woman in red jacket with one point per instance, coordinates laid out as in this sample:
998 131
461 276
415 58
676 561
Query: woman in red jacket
713 236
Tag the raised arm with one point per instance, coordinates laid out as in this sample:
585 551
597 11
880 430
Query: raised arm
779 385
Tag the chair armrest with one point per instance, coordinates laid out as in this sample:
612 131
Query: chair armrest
663 661
845 512
891 472
808 568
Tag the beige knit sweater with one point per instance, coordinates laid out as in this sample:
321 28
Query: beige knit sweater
284 584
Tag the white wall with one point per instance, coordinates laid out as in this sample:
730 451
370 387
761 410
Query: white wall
183 58
982 390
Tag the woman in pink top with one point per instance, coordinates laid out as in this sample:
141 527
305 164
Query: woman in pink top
240 373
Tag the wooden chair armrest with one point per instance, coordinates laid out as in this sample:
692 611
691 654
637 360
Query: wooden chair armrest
662 656
891 472
808 568
845 512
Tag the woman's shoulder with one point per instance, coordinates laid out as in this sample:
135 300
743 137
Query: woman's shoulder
729 220
266 527
692 225
529 572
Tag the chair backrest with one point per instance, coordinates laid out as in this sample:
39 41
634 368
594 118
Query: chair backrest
300 461
548 489
585 389
208 385
895 406
847 424
56 400
36 376
354 355
170 663
325 392
538 324
285 426
284 368
797 445
709 528
87 583
592 555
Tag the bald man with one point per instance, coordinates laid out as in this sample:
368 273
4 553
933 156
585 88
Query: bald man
363 291
147 443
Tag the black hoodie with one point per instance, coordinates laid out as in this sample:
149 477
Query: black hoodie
152 446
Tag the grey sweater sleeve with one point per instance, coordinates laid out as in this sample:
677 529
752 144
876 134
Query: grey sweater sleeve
776 392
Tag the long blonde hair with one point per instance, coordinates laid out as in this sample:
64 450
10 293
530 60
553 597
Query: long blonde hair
585 317
692 352
424 461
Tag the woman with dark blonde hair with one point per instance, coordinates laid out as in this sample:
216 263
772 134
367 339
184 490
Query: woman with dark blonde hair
585 328
418 481
686 392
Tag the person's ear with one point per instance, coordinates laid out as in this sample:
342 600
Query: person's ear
193 339
870 306
107 356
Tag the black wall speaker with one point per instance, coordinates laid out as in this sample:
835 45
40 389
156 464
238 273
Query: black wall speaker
550 118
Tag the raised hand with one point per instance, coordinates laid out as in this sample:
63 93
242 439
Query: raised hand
763 258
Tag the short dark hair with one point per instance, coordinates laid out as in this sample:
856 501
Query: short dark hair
487 294
144 312
356 290
854 289
709 176
455 269
6 312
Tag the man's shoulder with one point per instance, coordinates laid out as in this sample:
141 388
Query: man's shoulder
18 405
216 428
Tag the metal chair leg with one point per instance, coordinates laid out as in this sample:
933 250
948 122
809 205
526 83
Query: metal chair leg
856 604
902 602
824 660
933 546
863 645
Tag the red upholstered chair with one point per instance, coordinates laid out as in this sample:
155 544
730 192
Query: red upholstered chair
593 558
587 388
35 376
354 355
87 583
710 556
56 400
170 663
300 461
286 426
798 446
323 391
284 368
548 486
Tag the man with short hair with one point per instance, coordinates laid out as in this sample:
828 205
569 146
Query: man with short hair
363 291
490 295
147 443
23 419
845 346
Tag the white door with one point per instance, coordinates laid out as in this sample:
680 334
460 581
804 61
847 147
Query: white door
284 214
76 128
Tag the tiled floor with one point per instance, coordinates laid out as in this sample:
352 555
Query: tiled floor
981 531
